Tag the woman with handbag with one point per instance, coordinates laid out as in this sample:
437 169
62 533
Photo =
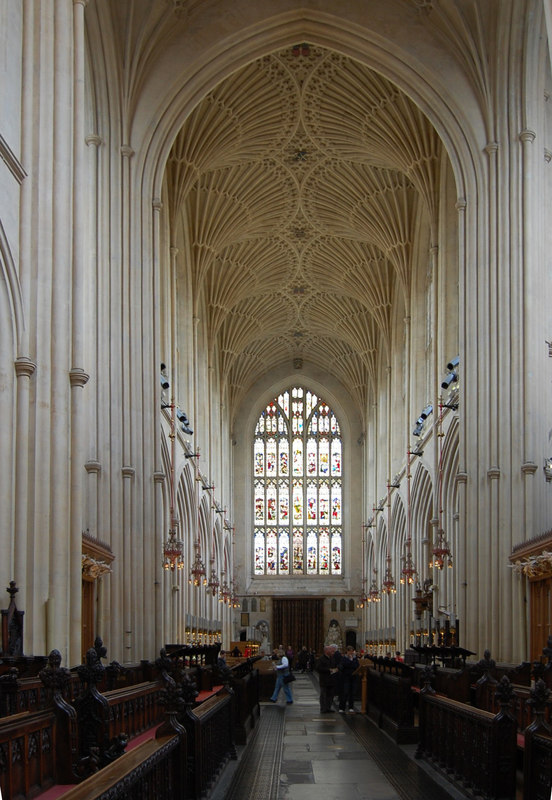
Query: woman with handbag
283 672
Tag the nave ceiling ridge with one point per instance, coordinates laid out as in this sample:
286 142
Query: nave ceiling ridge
301 179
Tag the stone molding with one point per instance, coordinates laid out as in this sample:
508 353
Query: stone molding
11 161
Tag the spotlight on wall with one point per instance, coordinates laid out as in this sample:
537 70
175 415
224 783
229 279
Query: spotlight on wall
184 422
548 469
426 411
421 419
418 428
454 363
164 380
451 378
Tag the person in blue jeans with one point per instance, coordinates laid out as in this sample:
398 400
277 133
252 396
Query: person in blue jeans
282 669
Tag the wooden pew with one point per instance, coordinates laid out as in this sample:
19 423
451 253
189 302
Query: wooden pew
244 681
210 743
155 770
387 698
35 754
470 746
134 709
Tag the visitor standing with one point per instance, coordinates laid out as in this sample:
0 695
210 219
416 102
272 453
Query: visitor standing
282 671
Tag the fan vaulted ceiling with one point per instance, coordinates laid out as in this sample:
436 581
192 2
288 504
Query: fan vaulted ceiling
299 182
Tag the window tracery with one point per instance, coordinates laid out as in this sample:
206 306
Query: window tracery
297 469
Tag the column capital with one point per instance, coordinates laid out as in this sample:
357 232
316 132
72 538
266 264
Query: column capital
527 135
24 366
461 204
159 476
93 139
157 203
528 468
127 151
128 472
78 377
491 148
93 466
493 473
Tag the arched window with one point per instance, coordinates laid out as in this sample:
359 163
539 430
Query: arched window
297 457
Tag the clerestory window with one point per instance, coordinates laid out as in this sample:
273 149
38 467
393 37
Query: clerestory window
297 469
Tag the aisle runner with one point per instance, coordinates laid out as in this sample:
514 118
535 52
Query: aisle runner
258 775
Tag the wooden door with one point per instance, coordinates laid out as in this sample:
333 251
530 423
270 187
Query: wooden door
88 626
541 615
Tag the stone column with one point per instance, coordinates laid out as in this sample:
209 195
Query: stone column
63 573
77 376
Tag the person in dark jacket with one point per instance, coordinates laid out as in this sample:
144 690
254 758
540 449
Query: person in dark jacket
347 668
302 659
223 669
327 668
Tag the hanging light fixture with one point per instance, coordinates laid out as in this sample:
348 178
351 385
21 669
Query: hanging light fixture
408 572
225 592
388 583
197 570
173 551
441 550
233 598
363 599
214 584
173 547
198 574
373 594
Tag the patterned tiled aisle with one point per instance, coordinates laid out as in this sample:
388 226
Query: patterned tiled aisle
296 753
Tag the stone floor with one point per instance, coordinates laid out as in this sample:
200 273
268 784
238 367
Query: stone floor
296 753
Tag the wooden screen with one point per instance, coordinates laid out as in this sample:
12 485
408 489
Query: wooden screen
298 621
541 615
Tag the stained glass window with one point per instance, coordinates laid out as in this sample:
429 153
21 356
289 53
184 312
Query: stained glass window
297 470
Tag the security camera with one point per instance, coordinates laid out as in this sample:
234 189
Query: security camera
164 382
452 377
426 411
418 429
454 363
